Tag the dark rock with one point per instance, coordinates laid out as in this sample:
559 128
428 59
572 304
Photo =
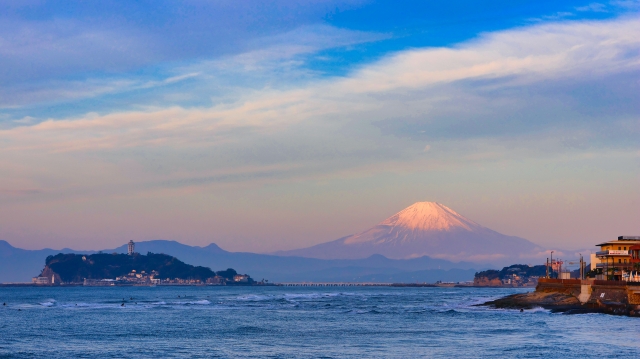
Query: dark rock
555 301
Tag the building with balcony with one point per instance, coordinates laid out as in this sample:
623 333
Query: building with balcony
634 252
614 257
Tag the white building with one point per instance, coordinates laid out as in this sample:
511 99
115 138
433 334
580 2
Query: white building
41 280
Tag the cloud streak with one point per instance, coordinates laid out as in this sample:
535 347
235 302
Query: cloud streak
534 55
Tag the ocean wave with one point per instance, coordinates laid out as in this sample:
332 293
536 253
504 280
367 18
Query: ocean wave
83 305
48 303
314 295
537 310
255 297
194 302
291 296
118 304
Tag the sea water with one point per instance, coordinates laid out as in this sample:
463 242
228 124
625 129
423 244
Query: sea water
296 322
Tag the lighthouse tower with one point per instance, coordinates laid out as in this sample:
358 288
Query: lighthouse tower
132 247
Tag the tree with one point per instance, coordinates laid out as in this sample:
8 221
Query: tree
227 274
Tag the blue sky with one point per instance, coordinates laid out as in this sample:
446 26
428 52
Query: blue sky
315 119
65 59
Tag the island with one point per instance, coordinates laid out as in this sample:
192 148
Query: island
517 275
112 269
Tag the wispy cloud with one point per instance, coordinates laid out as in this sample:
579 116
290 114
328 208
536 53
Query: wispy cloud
595 7
20 192
32 49
516 58
282 53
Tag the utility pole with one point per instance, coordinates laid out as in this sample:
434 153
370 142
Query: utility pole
547 267
581 267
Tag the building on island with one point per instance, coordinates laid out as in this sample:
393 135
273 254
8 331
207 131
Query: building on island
41 280
216 280
241 278
132 248
615 258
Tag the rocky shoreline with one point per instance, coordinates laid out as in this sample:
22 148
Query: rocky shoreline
563 298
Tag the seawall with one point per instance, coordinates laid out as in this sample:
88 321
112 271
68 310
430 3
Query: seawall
578 296
615 297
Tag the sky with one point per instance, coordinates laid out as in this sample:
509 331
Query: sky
274 125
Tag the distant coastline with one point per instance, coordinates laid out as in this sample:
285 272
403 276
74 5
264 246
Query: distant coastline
275 284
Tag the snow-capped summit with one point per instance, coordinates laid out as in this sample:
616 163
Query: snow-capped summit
425 229
419 217
429 216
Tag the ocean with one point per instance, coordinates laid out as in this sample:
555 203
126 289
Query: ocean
297 322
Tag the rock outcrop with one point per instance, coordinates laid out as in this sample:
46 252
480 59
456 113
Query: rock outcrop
486 282
553 301
565 296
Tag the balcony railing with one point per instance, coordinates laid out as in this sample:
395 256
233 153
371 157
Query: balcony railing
612 252
614 265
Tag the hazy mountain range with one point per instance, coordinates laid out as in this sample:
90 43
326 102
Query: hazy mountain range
20 265
425 242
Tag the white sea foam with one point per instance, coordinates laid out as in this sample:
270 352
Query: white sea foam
537 310
83 305
290 297
48 303
255 298
195 302
201 302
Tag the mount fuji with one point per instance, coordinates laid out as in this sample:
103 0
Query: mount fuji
426 229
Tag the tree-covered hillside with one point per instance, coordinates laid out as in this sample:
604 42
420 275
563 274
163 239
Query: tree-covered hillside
522 270
76 267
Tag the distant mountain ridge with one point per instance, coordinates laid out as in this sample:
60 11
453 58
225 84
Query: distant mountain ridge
426 241
19 265
425 229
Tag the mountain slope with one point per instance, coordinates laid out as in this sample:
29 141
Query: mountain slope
20 265
426 229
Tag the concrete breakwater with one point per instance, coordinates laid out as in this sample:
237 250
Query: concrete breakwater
573 296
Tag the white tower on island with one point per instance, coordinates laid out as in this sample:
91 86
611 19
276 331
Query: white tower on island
132 247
